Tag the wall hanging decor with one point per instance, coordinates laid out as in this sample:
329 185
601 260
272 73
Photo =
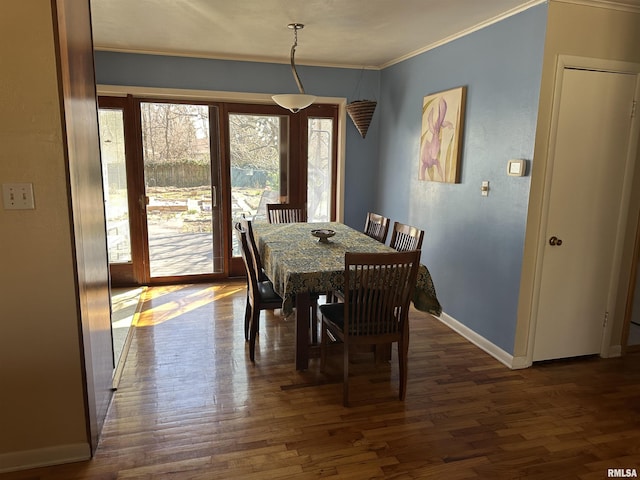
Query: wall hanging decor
441 136
361 113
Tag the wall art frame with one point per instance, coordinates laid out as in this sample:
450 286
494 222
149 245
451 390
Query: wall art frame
441 135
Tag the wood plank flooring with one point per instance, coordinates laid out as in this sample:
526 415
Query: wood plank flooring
191 406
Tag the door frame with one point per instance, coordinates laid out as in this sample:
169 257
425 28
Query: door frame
625 213
631 291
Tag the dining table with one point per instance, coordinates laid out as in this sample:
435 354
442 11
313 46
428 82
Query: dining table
302 266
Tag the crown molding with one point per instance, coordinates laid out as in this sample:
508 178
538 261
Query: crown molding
230 58
632 6
464 33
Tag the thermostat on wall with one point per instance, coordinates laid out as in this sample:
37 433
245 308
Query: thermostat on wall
516 168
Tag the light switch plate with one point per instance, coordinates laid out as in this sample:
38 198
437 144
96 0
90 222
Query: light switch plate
516 168
18 196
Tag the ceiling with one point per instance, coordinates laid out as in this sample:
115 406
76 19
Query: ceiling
342 33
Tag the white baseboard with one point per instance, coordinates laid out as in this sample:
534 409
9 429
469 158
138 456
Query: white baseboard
44 457
496 352
484 344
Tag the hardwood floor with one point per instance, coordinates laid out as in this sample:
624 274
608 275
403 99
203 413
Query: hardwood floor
191 406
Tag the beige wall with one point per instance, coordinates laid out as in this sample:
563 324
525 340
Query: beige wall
584 31
42 402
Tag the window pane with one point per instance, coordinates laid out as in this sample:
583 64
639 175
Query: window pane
177 174
320 135
258 163
114 177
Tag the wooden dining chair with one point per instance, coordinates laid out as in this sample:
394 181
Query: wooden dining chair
262 277
377 227
375 312
260 294
286 213
405 237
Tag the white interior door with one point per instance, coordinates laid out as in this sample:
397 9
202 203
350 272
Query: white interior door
589 162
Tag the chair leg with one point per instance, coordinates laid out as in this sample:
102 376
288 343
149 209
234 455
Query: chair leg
314 322
382 353
324 338
345 380
253 333
403 351
247 319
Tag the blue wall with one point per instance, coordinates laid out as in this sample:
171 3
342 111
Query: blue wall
473 245
137 70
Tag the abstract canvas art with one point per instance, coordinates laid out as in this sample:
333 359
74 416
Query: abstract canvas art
441 136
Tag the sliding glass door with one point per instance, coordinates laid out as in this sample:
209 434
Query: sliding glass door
178 175
184 233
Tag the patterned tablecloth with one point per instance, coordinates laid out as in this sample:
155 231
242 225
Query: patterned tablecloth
295 261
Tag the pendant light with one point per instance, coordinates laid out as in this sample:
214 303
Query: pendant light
294 101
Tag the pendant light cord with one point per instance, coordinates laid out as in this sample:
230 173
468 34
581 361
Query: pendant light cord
293 53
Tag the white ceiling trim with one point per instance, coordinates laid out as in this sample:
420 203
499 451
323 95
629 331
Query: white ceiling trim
465 32
609 4
234 58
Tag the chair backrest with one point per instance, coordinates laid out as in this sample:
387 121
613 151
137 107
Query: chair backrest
405 237
377 227
267 197
251 240
247 257
286 213
380 287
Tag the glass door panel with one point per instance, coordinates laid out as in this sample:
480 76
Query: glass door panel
114 177
259 164
180 197
319 168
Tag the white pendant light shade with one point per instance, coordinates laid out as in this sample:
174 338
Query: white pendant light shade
294 101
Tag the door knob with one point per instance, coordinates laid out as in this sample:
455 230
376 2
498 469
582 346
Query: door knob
553 241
